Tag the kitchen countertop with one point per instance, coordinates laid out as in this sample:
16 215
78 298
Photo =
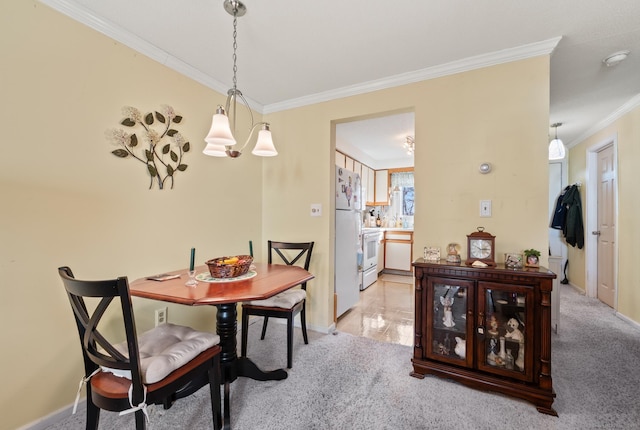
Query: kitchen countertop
372 229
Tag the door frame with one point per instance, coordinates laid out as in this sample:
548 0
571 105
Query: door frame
591 240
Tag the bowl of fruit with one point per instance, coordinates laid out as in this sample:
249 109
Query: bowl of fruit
229 267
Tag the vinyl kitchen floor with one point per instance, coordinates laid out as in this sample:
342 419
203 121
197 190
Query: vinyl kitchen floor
384 312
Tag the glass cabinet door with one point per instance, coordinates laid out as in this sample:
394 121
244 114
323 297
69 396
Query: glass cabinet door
450 321
505 342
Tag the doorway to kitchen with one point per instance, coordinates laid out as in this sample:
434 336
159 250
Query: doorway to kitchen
385 311
376 146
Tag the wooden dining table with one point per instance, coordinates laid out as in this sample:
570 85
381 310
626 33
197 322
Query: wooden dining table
269 280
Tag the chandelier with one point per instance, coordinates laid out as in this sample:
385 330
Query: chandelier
220 140
410 145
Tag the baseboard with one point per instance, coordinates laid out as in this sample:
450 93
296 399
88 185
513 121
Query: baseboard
626 319
578 289
56 417
296 323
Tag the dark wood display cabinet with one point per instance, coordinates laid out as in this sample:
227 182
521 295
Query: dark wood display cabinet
488 328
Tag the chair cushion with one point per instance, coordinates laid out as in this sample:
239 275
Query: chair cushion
166 348
286 299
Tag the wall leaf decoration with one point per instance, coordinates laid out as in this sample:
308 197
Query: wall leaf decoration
152 141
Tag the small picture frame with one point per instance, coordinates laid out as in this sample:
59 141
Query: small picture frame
513 260
431 253
532 261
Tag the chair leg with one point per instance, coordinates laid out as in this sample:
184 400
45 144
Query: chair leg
303 323
289 341
93 413
264 327
227 407
141 423
245 330
214 387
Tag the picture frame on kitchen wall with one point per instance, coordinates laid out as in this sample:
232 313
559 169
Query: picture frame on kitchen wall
408 201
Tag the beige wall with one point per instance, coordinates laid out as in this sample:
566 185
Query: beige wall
627 132
67 200
498 115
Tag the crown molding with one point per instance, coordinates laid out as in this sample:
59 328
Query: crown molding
633 103
134 42
109 29
545 47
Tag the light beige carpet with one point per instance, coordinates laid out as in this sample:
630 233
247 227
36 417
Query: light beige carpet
345 382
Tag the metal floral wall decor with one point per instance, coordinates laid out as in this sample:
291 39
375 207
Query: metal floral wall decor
162 159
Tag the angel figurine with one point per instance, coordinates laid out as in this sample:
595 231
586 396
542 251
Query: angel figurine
447 320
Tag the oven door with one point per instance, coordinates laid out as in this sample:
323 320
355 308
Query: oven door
370 250
370 245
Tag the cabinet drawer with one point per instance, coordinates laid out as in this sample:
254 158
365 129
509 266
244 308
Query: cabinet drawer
399 235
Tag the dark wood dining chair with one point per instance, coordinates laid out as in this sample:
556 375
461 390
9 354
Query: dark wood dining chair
162 365
287 304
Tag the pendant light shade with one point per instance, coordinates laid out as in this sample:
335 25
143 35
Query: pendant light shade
264 145
557 150
214 150
220 132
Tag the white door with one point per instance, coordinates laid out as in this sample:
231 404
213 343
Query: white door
606 226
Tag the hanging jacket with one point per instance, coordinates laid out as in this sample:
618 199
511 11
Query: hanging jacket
573 227
560 215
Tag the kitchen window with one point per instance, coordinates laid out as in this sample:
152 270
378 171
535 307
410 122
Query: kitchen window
402 194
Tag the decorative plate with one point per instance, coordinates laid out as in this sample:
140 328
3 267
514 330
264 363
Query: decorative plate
206 277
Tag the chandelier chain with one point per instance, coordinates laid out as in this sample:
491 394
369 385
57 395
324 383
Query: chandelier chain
235 48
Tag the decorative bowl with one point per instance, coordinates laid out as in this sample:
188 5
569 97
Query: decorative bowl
229 267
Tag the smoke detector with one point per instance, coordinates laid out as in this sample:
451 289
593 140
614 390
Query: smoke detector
615 58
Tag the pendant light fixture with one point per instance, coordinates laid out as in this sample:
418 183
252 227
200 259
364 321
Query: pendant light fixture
556 147
220 140
410 145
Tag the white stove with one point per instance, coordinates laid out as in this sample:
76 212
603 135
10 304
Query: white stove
371 238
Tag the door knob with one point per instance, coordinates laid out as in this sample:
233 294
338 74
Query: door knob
597 232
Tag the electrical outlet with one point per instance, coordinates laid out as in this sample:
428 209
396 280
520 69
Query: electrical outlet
316 209
161 316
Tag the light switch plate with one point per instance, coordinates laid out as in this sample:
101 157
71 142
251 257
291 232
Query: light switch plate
316 209
485 208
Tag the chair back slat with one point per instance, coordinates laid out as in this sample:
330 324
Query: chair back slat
97 349
304 250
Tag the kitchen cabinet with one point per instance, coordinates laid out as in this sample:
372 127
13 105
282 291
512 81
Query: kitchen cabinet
381 254
488 328
357 167
398 250
381 193
364 181
348 163
371 186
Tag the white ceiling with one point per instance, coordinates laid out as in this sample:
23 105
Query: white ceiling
293 53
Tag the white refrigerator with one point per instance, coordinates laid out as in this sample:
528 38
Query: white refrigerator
348 252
